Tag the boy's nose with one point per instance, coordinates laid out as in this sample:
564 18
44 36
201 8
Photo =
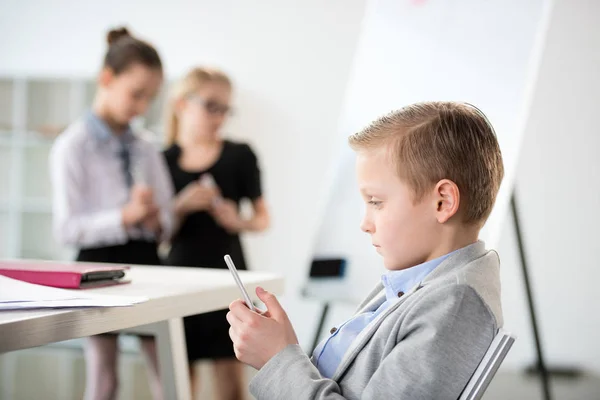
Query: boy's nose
366 225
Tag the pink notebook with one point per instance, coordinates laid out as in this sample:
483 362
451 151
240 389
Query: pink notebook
65 275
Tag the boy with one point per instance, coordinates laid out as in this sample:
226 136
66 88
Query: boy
429 174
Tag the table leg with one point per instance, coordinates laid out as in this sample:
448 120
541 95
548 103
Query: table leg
172 357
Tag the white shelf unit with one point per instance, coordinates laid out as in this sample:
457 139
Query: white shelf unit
33 111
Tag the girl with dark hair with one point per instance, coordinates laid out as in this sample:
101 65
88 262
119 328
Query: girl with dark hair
112 191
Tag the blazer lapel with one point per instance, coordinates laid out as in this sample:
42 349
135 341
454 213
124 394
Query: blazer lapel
372 298
363 338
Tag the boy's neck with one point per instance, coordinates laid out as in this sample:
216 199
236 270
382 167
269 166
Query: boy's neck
455 241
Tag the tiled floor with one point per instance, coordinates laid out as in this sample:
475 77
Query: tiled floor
60 376
512 386
509 386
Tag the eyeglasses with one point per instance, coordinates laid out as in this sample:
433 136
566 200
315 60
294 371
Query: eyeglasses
211 106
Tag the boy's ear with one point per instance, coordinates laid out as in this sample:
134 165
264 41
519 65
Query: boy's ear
106 76
447 198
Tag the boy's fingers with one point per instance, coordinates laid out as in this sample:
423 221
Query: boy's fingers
232 319
240 311
273 307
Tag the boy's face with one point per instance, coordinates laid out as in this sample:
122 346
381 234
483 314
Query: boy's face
402 232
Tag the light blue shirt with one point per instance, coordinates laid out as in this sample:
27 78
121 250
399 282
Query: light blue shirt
329 353
100 129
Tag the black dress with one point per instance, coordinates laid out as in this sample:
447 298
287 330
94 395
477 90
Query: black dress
201 242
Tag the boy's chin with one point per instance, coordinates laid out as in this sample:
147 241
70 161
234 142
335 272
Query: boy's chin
394 265
390 264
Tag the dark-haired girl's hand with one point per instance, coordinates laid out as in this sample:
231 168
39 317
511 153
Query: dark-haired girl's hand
152 221
139 206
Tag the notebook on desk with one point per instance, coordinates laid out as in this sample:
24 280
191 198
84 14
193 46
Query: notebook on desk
65 275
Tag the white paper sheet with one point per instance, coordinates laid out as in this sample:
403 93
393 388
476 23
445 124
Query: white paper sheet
19 295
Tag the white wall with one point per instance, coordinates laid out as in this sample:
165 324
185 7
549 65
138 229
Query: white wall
559 195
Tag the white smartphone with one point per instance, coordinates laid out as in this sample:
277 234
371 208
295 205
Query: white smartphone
238 281
208 181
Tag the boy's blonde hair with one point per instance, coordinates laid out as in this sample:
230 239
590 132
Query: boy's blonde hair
432 141
193 81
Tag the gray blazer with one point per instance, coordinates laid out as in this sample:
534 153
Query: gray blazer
426 346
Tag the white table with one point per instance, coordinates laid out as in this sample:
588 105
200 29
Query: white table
173 293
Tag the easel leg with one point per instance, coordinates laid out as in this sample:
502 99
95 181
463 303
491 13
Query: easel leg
320 327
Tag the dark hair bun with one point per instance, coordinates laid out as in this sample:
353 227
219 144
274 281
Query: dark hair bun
124 50
115 34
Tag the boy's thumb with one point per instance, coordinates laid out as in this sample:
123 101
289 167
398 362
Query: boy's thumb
273 306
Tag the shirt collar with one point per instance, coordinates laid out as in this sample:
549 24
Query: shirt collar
101 131
398 282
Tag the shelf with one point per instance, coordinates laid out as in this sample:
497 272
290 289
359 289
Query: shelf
37 238
41 205
53 104
5 139
5 169
18 140
89 88
38 208
155 115
4 228
33 112
35 139
6 104
48 104
36 182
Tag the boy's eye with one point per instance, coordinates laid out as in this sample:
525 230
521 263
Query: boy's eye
375 203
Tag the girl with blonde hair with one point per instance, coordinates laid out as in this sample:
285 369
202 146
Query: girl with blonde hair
211 175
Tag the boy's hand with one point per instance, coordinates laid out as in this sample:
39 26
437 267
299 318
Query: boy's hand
259 337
